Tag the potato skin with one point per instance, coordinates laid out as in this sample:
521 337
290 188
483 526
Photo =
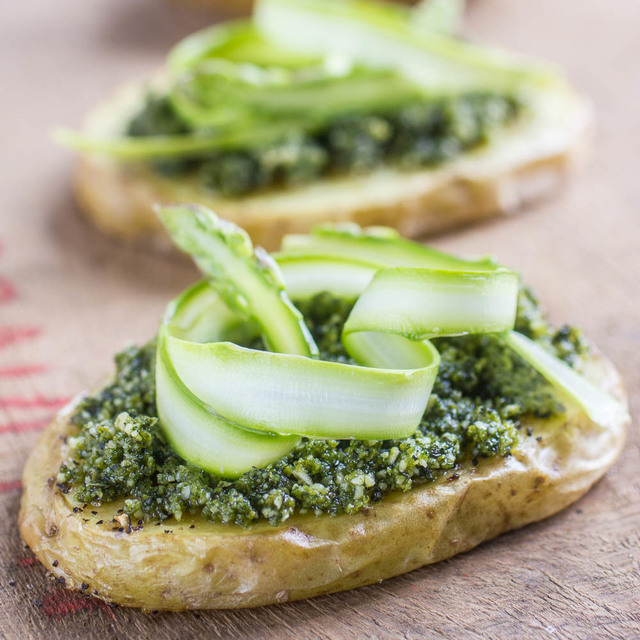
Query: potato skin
214 566
524 165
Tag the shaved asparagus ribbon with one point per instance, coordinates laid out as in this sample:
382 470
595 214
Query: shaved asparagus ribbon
240 41
344 259
379 34
227 408
598 405
248 300
297 65
197 433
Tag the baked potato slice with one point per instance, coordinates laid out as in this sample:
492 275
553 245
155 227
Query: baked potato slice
527 161
194 564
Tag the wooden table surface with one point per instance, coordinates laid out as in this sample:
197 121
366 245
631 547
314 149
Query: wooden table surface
70 298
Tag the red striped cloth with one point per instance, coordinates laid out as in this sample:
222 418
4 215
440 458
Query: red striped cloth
35 411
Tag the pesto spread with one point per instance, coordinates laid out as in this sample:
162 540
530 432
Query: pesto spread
482 393
420 134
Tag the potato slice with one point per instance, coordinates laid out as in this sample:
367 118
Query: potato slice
523 163
194 564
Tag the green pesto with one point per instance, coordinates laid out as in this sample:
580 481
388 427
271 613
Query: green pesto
416 135
482 393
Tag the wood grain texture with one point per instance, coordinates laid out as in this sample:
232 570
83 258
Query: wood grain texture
70 298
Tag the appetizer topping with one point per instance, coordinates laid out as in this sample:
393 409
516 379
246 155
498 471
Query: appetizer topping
382 35
261 409
598 405
321 88
482 392
419 133
286 392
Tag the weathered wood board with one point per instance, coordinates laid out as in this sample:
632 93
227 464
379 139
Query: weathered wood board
70 298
